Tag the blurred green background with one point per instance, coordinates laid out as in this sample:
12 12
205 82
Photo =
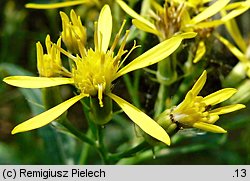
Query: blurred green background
20 29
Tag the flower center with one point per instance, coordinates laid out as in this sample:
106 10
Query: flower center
169 20
196 111
94 73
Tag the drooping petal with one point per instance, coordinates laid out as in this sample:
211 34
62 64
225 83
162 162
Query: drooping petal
134 14
155 54
104 28
242 57
209 127
210 11
234 31
57 5
47 116
36 82
227 109
201 50
199 84
144 27
142 120
219 96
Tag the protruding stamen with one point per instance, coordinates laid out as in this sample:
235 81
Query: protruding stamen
100 91
130 51
117 37
65 52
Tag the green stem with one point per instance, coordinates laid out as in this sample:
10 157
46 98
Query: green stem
85 151
131 152
166 75
163 153
161 99
77 133
131 90
101 147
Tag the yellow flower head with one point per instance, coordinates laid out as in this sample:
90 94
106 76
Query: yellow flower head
50 65
241 51
185 16
195 111
95 69
175 16
93 73
73 33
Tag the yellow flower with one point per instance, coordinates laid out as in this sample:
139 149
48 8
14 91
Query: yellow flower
195 111
185 16
73 33
242 53
94 71
50 65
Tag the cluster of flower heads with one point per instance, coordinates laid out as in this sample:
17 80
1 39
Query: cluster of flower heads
185 16
94 69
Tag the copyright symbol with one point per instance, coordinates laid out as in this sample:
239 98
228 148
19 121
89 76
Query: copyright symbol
9 174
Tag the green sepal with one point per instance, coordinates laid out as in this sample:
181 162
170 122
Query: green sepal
101 115
166 122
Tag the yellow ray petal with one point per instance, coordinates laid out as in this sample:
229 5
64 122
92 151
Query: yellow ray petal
134 14
47 116
201 50
219 96
242 57
227 109
142 120
57 5
209 127
212 118
234 13
199 83
144 27
234 31
208 24
233 5
104 28
185 103
155 54
36 82
210 11
226 17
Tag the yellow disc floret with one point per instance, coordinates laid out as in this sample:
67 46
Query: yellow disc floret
94 73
